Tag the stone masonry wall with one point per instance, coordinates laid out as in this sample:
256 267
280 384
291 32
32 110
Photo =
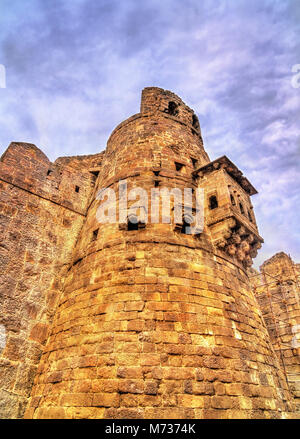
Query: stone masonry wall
42 209
277 292
152 322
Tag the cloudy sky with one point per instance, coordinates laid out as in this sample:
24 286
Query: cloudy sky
76 68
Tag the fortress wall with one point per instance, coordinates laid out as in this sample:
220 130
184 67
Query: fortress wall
278 297
154 323
66 182
41 215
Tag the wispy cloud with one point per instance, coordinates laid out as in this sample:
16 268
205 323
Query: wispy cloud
75 69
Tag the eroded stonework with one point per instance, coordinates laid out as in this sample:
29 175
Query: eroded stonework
276 287
113 321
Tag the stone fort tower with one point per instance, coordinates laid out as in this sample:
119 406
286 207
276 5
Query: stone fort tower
132 319
276 288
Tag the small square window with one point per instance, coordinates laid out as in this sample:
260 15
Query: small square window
213 202
178 166
95 235
77 189
172 109
195 162
132 226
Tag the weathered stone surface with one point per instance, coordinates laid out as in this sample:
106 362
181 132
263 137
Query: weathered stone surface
132 323
41 215
276 287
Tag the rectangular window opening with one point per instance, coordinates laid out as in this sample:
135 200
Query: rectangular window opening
95 235
178 166
195 162
213 202
132 226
